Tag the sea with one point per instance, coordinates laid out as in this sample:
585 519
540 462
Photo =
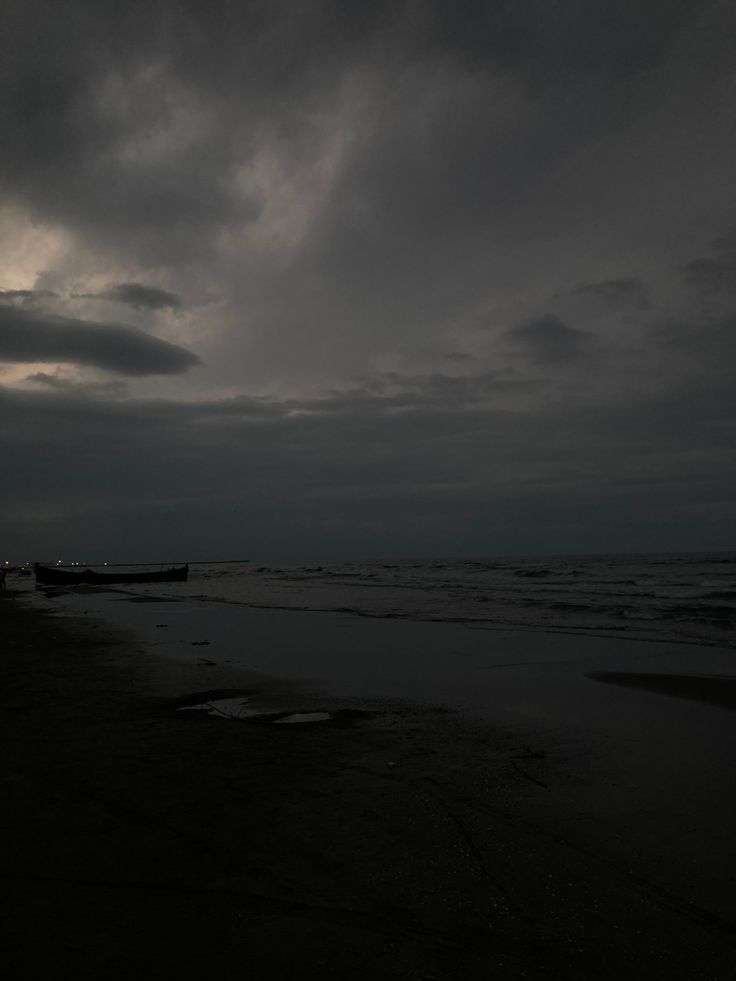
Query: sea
685 598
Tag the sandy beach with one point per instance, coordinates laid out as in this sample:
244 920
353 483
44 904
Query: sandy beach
397 839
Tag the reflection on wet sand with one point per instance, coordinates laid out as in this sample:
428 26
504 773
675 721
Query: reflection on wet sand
714 689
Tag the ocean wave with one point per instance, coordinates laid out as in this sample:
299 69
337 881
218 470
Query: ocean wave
701 611
674 598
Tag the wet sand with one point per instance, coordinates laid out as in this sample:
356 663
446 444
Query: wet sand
393 840
719 691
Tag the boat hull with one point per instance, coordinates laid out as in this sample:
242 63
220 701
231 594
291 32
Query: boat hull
46 576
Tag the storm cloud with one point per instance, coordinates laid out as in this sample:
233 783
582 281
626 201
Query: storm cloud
28 337
139 296
451 273
629 290
548 339
717 271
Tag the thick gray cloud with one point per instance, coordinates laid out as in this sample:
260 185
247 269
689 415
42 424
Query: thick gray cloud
29 337
628 290
60 383
26 296
132 120
714 272
548 339
454 272
139 296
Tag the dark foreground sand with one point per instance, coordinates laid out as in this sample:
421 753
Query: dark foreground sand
394 842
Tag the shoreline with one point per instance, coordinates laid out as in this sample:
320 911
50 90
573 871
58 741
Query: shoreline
162 842
676 599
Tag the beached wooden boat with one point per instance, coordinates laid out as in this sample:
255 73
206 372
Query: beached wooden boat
46 576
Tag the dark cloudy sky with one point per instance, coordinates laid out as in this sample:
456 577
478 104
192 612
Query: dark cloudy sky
389 278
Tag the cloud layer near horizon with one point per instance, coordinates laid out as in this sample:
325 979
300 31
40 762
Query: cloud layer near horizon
469 237
438 475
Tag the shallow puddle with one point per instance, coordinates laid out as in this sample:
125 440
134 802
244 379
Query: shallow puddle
239 708
225 708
